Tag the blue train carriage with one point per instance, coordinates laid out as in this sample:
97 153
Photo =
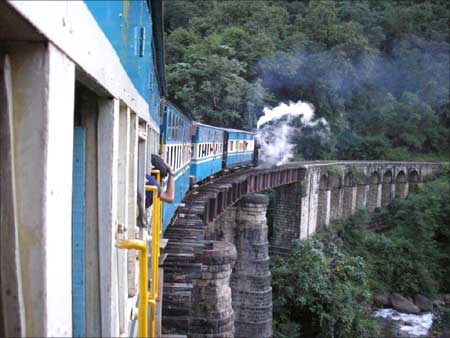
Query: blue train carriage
207 148
239 146
176 151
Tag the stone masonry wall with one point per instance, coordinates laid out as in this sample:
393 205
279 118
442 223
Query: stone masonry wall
211 314
251 278
287 215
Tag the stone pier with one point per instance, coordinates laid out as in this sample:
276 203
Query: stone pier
287 215
251 278
212 314
350 192
374 194
323 212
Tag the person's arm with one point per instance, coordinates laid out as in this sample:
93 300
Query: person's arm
169 194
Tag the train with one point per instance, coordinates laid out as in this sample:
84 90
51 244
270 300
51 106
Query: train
83 109
197 152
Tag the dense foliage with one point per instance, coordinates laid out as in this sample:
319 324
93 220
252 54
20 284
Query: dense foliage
413 256
320 291
378 71
323 287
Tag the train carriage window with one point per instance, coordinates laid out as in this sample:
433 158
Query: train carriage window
175 152
175 158
203 150
169 126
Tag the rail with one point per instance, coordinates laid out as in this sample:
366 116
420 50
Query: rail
146 297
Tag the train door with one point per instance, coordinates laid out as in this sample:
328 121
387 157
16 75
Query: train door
225 150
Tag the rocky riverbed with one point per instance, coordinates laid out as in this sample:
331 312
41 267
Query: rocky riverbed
405 324
415 316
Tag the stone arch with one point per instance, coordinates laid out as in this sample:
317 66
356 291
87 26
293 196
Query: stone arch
414 180
349 199
324 182
336 197
323 212
374 178
362 190
401 185
374 195
348 180
387 188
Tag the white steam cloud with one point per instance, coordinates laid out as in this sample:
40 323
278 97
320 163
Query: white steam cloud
274 138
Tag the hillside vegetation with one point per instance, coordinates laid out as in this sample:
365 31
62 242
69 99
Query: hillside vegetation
378 71
324 287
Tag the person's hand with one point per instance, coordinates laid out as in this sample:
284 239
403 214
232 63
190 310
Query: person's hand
169 169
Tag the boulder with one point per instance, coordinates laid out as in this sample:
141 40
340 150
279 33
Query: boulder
423 303
381 300
401 304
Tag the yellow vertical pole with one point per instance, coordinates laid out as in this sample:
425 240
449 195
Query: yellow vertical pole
141 246
156 238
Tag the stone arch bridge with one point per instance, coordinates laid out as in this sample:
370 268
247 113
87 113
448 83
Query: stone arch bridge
217 281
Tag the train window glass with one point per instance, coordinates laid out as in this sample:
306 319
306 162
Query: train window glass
203 150
169 126
175 158
181 155
174 166
198 150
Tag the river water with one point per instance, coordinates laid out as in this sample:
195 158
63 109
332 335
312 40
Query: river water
406 325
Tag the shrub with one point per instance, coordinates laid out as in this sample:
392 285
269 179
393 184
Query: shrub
320 290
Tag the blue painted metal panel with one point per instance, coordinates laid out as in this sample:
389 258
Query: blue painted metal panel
206 167
126 23
239 158
181 187
78 229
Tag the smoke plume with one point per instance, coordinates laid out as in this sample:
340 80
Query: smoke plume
275 131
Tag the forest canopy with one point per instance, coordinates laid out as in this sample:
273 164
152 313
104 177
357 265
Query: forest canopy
377 71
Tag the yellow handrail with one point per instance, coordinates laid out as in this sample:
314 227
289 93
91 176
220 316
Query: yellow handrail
141 246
